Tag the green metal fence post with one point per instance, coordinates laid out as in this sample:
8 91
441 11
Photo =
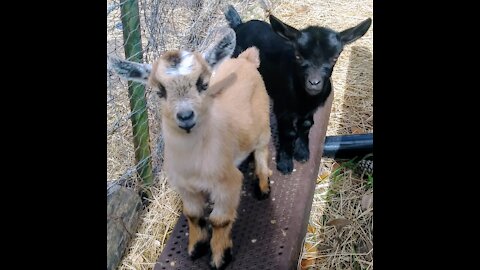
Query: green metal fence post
136 91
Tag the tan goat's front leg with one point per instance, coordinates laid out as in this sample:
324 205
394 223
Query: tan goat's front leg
262 190
193 208
226 197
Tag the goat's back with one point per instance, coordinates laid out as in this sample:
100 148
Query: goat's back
243 103
276 58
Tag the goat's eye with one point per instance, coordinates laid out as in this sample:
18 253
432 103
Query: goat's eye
162 93
298 57
201 86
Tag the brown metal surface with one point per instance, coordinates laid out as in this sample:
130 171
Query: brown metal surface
267 234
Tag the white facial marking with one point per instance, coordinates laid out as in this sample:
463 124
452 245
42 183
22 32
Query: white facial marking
332 39
185 66
303 39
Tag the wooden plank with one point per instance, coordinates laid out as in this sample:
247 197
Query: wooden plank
123 206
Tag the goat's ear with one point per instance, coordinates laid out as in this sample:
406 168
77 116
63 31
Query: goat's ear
283 29
217 88
221 49
354 33
129 70
252 55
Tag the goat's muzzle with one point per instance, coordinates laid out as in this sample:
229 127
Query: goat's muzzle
314 89
314 83
186 120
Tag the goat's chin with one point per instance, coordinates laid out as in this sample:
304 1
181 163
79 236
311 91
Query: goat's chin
313 92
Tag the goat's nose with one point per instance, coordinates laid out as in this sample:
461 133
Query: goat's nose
185 115
315 82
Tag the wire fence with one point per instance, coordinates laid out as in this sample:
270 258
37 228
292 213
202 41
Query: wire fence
140 30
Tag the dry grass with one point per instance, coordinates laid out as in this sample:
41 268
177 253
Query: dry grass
157 222
352 112
340 232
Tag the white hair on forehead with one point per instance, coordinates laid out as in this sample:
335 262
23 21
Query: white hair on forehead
333 40
303 39
185 66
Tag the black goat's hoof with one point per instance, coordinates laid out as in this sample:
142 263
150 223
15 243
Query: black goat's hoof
285 166
301 152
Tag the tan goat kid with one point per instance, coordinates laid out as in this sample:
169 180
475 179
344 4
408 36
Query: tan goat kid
210 124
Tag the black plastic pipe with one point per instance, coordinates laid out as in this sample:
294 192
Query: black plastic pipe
348 146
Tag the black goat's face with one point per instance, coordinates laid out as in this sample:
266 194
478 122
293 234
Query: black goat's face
316 52
317 49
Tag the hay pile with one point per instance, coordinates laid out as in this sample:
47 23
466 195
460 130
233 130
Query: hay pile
337 199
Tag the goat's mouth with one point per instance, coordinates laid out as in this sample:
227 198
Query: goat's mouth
313 91
186 126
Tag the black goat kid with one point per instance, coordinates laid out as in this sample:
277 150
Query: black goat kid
296 66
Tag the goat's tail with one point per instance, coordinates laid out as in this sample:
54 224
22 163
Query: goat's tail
232 17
